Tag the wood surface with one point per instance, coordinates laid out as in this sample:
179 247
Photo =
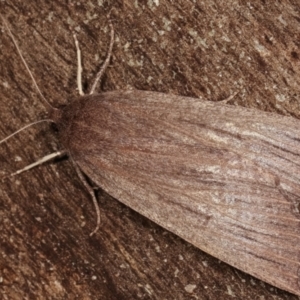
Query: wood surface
208 49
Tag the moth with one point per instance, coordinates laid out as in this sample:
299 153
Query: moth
225 179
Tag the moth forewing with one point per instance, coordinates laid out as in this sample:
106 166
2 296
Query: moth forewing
224 178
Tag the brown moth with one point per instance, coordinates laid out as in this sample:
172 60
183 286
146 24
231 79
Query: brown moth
224 178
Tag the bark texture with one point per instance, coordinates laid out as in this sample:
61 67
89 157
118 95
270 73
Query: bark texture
192 48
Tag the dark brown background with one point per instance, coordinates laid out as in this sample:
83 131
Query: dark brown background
197 48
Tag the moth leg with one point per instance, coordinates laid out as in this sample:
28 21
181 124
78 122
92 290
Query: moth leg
105 65
37 163
79 66
225 101
92 193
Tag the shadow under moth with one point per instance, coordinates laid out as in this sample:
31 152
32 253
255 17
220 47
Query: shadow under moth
224 178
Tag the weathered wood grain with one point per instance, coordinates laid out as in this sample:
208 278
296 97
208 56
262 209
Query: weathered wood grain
193 48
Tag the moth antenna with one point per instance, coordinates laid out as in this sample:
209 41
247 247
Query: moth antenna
37 163
108 57
23 128
92 193
79 66
25 64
